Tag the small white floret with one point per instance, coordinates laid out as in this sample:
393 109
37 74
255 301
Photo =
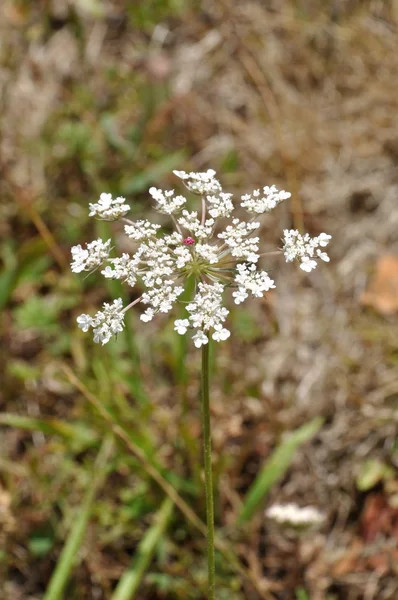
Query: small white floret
220 333
181 326
85 322
147 315
307 264
240 295
200 339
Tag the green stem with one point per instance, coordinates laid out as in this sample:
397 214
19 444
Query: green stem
208 472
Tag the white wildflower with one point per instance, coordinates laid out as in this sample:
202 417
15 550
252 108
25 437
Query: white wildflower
108 208
209 253
206 311
200 339
123 268
91 257
85 322
259 203
162 298
141 230
307 264
240 295
220 205
181 326
191 223
147 315
216 258
220 333
251 280
237 238
173 239
305 248
200 183
166 201
292 514
105 323
183 256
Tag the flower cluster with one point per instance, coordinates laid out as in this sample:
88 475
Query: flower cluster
108 208
257 203
167 202
141 230
216 254
237 239
292 514
250 280
91 257
200 183
106 323
220 205
207 312
191 223
305 248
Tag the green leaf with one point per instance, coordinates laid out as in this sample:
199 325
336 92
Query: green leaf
276 466
21 263
8 276
114 138
23 370
70 552
31 314
42 314
301 594
141 181
373 471
41 542
132 577
77 433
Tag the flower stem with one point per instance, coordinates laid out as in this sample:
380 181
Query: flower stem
208 470
203 219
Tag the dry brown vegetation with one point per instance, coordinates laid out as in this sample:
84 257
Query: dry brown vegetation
112 96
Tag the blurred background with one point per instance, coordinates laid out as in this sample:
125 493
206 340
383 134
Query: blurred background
100 447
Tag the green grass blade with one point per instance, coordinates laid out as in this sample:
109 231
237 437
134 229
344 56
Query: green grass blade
132 578
76 432
70 552
140 182
301 594
276 466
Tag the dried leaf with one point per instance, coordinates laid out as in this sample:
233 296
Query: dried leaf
378 517
382 292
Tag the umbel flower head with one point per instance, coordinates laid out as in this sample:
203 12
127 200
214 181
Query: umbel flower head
216 248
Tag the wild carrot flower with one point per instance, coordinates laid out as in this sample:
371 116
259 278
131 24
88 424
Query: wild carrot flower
216 248
218 251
